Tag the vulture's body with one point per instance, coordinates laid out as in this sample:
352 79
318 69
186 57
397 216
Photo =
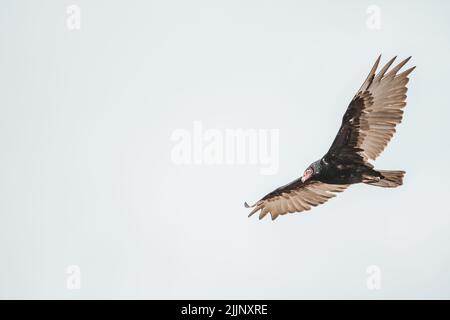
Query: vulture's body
367 127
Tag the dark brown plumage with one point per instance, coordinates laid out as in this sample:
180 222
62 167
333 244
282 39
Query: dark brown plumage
367 127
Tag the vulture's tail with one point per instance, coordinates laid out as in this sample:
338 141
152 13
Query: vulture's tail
388 179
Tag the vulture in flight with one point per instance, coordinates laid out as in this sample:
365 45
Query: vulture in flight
367 126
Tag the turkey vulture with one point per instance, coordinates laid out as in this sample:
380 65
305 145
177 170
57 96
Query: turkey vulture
367 126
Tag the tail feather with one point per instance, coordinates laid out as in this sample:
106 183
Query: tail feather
389 179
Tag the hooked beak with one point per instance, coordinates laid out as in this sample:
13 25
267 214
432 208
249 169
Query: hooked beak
306 175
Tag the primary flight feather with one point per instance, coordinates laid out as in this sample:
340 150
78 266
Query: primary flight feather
367 127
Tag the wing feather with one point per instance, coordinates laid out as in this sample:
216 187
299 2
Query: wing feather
295 197
372 116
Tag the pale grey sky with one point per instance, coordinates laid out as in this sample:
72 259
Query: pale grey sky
87 116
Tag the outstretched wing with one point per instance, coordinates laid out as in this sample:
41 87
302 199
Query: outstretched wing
295 197
370 120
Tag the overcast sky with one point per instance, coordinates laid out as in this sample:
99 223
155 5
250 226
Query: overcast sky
96 95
